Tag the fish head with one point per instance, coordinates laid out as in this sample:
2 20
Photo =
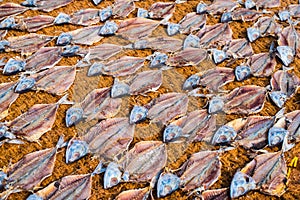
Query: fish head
253 34
138 114
241 184
76 149
13 66
109 28
142 13
216 104
191 41
3 130
158 59
73 116
25 84
224 134
242 72
219 55
226 17
64 39
34 197
192 82
171 132
105 14
166 184
278 97
276 136
249 4
7 23
95 69
70 50
112 175
173 29
30 3
286 54
201 8
3 44
140 44
62 18
119 89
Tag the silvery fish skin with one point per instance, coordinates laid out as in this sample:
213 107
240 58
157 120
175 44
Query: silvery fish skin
167 107
286 54
138 114
262 64
8 97
166 184
105 13
28 44
122 8
192 22
33 24
218 55
191 41
294 10
289 36
239 48
216 194
244 14
142 13
173 29
267 26
202 169
137 194
195 126
284 15
276 135
56 80
144 161
293 125
136 28
85 17
8 23
241 184
186 57
119 89
45 5
123 66
13 66
109 28
160 10
217 34
158 60
201 8
112 175
45 57
31 170
10 9
62 18
106 140
269 172
219 6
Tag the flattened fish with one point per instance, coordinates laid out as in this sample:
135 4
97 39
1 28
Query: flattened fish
85 17
10 9
27 44
31 170
241 14
293 125
122 8
166 184
191 22
33 24
8 96
45 5
106 140
160 10
219 6
56 80
186 57
96 105
294 10
289 36
2 34
262 64
137 194
216 194
217 34
266 3
239 48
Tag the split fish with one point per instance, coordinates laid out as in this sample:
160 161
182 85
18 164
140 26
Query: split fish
10 9
85 17
8 97
262 64
192 22
219 6
160 10
122 8
33 24
45 5
186 57
241 14
239 48
289 36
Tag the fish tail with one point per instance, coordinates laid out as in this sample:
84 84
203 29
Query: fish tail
64 100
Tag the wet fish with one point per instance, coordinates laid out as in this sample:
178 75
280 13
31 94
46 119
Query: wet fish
289 36
217 34
56 80
136 28
33 24
160 10
241 14
137 194
216 194
106 140
122 8
195 126
86 36
192 22
85 17
293 125
28 44
262 64
239 48
96 105
45 5
186 57
31 170
8 97
219 6
10 9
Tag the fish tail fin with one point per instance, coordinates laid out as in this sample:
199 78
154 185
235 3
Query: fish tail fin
64 100
61 143
99 169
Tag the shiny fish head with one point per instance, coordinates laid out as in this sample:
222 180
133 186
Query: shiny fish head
219 55
70 50
76 149
140 44
3 176
119 89
25 84
223 135
138 114
7 23
171 132
284 15
192 82
142 13
34 197
3 130
109 28
13 66
158 60
242 72
201 8
166 184
278 97
286 54
253 34
105 13
95 69
64 39
62 18
226 17
241 184
216 104
97 2
3 44
112 175
73 116
191 41
30 3
276 136
173 29
249 4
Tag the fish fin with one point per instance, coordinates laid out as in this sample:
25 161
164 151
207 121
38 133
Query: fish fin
98 169
61 143
64 100
280 113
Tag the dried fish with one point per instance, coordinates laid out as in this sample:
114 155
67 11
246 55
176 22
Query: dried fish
219 6
218 55
286 54
2 35
216 194
45 5
27 44
56 80
160 10
138 114
97 2
109 28
241 184
62 18
215 34
137 194
266 3
33 24
186 57
8 23
284 15
191 22
173 29
241 14
10 9
106 140
142 13
294 10
166 184
96 105
112 176
8 97
13 66
122 8
158 60
289 36
105 13
31 170
262 64
239 48
293 125
191 41
85 17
